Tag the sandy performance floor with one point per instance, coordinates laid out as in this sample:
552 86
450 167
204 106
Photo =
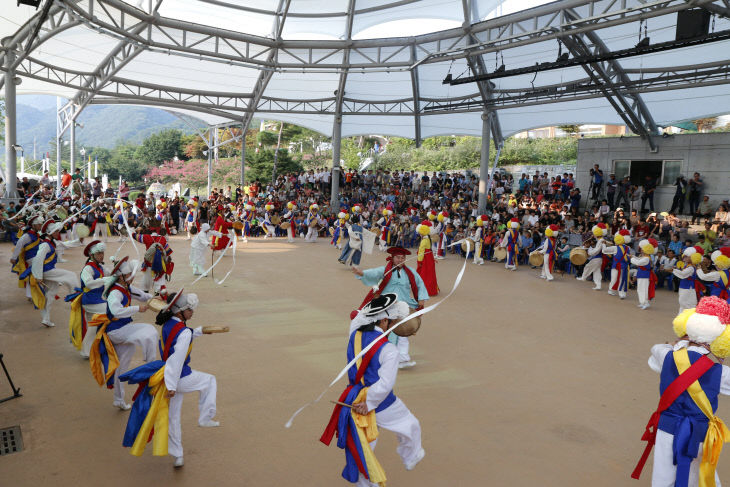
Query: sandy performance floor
519 382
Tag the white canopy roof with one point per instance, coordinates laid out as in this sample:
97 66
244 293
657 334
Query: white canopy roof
379 64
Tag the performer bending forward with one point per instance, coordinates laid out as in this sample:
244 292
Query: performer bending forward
370 392
395 277
170 379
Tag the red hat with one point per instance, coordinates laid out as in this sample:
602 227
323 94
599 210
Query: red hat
514 220
625 233
119 264
699 250
602 226
87 250
427 223
653 242
398 251
46 224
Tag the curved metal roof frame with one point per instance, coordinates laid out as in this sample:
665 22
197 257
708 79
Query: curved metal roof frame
578 24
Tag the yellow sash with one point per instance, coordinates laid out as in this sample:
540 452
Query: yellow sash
75 322
717 432
723 277
157 417
367 428
97 368
36 293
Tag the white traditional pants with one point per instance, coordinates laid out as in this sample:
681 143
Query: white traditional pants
196 381
687 299
642 290
54 278
403 346
270 231
398 419
149 284
546 269
593 268
312 234
614 278
289 235
101 230
664 472
91 310
125 339
478 253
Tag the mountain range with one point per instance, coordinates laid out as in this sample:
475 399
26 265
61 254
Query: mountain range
103 125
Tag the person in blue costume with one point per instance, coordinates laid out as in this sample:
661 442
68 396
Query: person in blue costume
370 393
395 277
686 435
179 378
25 249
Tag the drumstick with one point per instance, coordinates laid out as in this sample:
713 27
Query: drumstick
341 404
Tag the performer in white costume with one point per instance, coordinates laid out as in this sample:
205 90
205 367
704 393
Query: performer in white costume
199 249
594 267
45 272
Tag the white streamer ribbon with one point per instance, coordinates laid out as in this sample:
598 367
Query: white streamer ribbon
365 350
231 243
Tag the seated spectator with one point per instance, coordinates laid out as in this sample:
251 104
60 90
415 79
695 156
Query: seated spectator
704 210
664 266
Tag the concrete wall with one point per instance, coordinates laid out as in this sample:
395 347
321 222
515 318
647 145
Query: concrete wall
708 154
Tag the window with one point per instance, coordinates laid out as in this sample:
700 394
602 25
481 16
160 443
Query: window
672 170
665 172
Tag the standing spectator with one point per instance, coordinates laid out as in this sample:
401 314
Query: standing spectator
77 176
45 179
124 191
679 195
597 182
611 186
622 193
704 210
65 179
695 190
648 194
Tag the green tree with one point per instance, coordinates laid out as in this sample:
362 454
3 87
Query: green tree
261 165
124 163
161 147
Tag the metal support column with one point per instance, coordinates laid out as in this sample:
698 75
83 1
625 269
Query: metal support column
11 168
484 163
243 155
210 161
336 143
72 145
59 145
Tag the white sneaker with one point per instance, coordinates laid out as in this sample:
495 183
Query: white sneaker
579 278
622 297
48 324
179 462
84 355
419 456
550 278
611 293
541 276
209 424
596 288
406 365
122 405
61 259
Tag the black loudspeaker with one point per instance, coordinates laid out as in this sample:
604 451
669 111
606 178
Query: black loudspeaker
692 23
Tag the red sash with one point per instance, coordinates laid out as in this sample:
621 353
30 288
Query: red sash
671 393
331 428
171 338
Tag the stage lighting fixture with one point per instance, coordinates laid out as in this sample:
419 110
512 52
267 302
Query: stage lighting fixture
447 79
643 42
32 3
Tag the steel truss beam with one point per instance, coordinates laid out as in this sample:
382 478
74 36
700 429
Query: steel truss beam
265 76
549 21
666 79
55 21
614 68
231 106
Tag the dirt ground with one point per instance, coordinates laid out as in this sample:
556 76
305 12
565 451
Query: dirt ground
519 382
